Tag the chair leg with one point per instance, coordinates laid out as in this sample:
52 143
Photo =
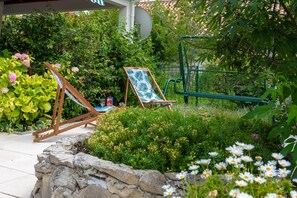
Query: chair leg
126 93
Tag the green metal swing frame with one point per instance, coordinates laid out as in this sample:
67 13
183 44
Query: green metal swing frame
185 77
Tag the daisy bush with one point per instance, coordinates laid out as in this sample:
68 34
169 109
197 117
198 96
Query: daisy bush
239 176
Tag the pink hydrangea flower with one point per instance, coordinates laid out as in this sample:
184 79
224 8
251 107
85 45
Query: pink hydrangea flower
12 77
74 69
21 56
4 90
26 63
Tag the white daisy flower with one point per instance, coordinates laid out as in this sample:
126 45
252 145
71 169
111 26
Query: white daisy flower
234 192
247 176
294 180
194 172
213 154
277 156
221 166
283 172
169 192
272 195
260 180
293 194
204 161
241 183
229 176
235 150
270 173
181 175
244 195
239 166
284 163
193 167
240 144
246 158
249 147
206 173
233 160
258 163
267 167
272 162
166 186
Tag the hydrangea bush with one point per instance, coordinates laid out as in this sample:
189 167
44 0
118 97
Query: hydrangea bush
239 176
24 100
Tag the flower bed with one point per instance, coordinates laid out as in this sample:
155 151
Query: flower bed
239 176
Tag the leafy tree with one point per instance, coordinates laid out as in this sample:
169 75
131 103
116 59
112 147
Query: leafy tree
260 36
254 35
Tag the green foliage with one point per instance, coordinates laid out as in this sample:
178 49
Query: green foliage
168 141
283 110
251 33
24 99
39 34
91 41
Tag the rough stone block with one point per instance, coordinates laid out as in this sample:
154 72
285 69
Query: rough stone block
62 159
152 181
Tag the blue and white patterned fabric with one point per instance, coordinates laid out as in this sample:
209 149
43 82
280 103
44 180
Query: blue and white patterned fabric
142 84
100 2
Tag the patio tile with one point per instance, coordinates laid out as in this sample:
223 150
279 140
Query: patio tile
23 164
6 196
19 187
9 155
8 175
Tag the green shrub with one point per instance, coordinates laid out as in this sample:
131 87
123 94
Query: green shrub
24 99
93 42
168 141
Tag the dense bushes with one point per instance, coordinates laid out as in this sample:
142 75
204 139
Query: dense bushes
168 141
91 41
24 100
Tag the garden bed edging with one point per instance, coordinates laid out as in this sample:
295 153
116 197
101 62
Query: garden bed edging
64 172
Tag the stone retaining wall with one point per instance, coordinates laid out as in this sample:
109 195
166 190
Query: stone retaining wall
63 172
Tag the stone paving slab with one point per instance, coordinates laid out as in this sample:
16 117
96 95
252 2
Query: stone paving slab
19 187
8 175
22 164
18 155
2 195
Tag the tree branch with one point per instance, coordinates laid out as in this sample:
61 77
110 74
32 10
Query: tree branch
288 13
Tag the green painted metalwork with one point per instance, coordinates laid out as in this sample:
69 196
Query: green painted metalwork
187 70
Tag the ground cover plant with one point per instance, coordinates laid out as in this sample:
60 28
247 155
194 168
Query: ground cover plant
169 141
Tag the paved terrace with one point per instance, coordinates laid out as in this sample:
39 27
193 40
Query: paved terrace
18 155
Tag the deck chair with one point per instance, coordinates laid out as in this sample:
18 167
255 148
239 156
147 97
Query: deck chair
143 85
64 87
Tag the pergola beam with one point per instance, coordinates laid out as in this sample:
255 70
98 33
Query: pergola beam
14 7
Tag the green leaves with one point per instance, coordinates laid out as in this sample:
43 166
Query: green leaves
292 114
261 111
27 100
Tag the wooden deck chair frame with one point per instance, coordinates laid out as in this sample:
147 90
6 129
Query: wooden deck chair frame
163 103
84 119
